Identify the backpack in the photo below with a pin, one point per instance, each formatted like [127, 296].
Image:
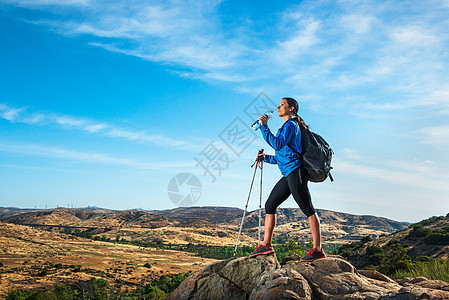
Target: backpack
[316, 155]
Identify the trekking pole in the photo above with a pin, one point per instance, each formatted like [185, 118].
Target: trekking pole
[260, 198]
[247, 201]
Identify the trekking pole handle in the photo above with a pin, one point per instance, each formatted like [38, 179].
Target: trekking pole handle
[260, 158]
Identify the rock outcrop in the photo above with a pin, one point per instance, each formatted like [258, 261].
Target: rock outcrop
[262, 277]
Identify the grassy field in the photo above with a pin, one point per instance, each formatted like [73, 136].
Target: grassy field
[437, 269]
[37, 259]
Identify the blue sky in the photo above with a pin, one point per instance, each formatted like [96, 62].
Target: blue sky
[103, 103]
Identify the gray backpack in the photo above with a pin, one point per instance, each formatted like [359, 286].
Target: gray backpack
[316, 155]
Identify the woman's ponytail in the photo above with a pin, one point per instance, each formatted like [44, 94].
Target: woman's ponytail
[302, 123]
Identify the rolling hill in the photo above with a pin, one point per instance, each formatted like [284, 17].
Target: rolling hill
[89, 218]
[421, 241]
[206, 225]
[292, 223]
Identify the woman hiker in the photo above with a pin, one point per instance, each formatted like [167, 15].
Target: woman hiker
[294, 180]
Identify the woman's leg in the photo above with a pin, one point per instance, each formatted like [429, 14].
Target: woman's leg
[314, 224]
[279, 194]
[270, 222]
[301, 194]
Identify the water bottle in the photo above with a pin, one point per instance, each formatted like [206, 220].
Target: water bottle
[256, 125]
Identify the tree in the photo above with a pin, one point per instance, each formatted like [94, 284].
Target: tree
[366, 239]
[295, 247]
[396, 259]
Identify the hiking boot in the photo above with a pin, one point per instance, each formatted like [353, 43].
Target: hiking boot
[262, 249]
[313, 254]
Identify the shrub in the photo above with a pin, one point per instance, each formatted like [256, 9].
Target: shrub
[98, 289]
[77, 268]
[376, 259]
[168, 284]
[346, 253]
[396, 259]
[95, 288]
[18, 295]
[31, 295]
[366, 239]
[393, 242]
[153, 292]
[346, 250]
[437, 238]
[418, 231]
[295, 247]
[370, 250]
[431, 220]
[423, 258]
[64, 292]
[375, 254]
[445, 229]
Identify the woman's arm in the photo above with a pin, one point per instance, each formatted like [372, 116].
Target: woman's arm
[284, 137]
[271, 159]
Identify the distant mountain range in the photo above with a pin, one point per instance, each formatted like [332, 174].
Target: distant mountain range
[220, 215]
[216, 225]
[10, 211]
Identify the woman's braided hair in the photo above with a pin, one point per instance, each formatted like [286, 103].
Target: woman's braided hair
[292, 102]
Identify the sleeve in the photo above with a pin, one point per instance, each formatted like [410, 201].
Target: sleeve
[282, 139]
[271, 159]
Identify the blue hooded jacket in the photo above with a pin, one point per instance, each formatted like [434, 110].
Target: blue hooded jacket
[285, 157]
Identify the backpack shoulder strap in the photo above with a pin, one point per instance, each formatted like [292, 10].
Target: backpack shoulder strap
[294, 150]
[297, 153]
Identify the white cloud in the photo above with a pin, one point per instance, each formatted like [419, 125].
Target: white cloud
[379, 110]
[358, 23]
[96, 127]
[423, 167]
[352, 154]
[419, 178]
[150, 20]
[439, 97]
[301, 40]
[91, 126]
[436, 100]
[69, 121]
[100, 158]
[181, 34]
[436, 135]
[357, 45]
[34, 119]
[415, 36]
[154, 139]
[9, 113]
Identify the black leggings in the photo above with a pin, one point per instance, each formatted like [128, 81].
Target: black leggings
[292, 184]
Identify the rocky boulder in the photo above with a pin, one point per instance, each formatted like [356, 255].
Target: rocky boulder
[281, 284]
[262, 277]
[233, 278]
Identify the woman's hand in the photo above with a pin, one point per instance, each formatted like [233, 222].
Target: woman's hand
[263, 119]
